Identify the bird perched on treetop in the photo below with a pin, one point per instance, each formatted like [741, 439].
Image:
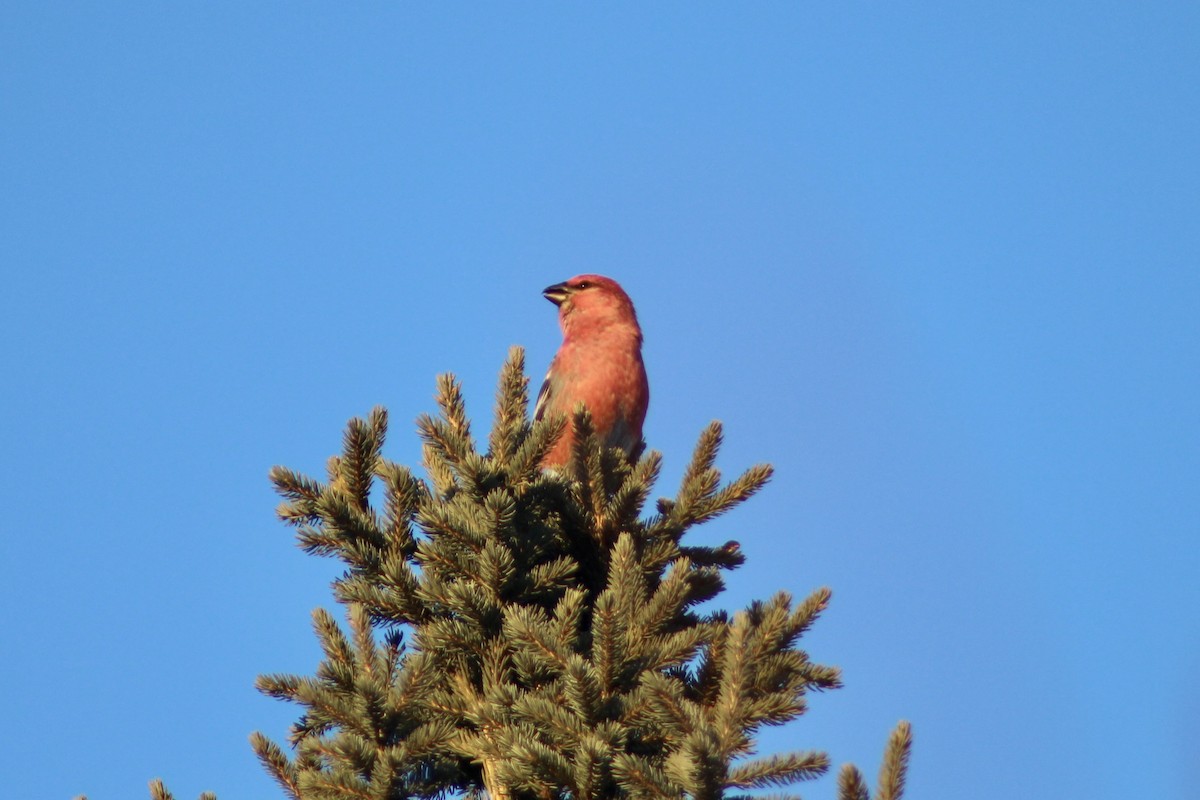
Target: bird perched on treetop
[599, 364]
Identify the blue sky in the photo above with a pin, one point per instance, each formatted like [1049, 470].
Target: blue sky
[939, 264]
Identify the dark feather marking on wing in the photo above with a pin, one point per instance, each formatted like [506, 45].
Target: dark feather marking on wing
[543, 399]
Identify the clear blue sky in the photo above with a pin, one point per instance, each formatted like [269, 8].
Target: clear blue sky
[938, 263]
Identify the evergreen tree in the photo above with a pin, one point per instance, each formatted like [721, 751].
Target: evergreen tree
[529, 634]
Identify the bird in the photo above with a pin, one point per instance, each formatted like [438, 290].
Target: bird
[599, 364]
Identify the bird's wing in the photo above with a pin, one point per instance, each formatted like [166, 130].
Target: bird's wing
[543, 398]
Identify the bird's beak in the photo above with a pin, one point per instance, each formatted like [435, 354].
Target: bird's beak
[557, 293]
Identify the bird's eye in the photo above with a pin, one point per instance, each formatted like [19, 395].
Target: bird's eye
[582, 285]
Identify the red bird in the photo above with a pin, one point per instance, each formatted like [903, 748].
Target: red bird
[599, 364]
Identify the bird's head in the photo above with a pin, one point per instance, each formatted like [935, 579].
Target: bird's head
[591, 301]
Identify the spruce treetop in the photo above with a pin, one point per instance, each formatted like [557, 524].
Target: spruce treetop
[534, 634]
